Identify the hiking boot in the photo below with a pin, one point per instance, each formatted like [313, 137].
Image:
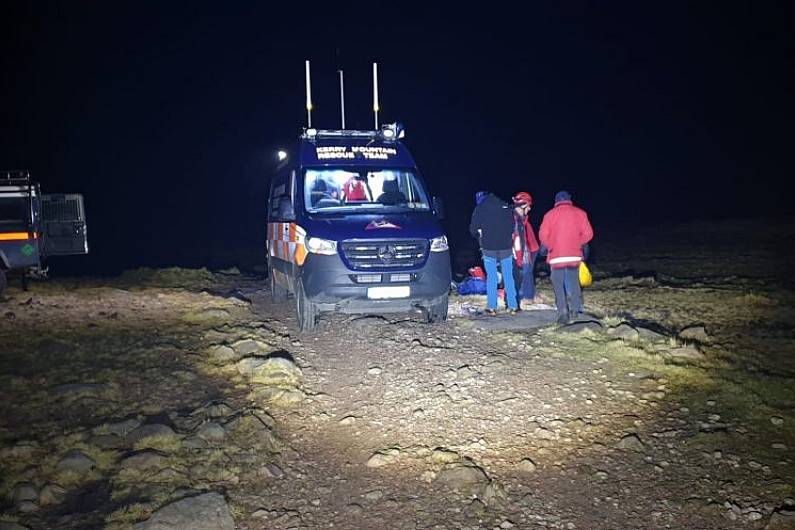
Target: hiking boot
[491, 312]
[513, 311]
[563, 319]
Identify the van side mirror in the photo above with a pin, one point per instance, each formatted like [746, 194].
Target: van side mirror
[286, 210]
[438, 207]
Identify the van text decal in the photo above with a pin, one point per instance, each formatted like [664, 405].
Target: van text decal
[337, 152]
[381, 223]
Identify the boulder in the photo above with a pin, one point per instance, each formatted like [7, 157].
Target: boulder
[208, 511]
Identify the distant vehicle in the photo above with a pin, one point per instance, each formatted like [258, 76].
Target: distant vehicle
[353, 229]
[34, 226]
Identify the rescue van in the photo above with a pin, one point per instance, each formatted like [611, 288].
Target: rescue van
[352, 228]
[34, 226]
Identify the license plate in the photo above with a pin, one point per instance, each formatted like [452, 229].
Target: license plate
[396, 291]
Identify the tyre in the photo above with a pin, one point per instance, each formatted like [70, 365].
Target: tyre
[278, 292]
[436, 312]
[305, 309]
[3, 282]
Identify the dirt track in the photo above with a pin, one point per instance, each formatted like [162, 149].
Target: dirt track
[174, 383]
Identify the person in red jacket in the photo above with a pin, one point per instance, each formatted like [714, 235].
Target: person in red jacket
[564, 231]
[525, 248]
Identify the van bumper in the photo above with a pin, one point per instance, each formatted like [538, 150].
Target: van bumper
[332, 286]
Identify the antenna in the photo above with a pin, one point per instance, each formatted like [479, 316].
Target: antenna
[308, 98]
[342, 99]
[376, 108]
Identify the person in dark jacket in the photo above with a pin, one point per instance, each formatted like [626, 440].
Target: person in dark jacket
[525, 248]
[492, 226]
[564, 232]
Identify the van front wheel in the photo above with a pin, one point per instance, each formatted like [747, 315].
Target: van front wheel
[436, 312]
[305, 309]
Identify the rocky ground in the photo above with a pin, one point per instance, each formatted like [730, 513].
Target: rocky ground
[176, 398]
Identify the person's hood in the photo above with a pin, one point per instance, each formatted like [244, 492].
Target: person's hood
[493, 200]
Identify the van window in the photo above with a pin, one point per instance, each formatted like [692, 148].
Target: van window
[356, 188]
[14, 213]
[281, 190]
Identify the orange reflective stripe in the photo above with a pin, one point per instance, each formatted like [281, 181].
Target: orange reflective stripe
[17, 236]
[292, 232]
[300, 253]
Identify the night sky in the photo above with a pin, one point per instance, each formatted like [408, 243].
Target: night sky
[165, 116]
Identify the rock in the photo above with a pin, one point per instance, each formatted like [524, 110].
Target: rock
[373, 495]
[375, 370]
[348, 420]
[694, 333]
[107, 441]
[219, 410]
[23, 449]
[462, 477]
[27, 506]
[383, 458]
[77, 461]
[279, 397]
[624, 332]
[271, 371]
[124, 427]
[545, 434]
[630, 442]
[778, 421]
[781, 519]
[687, 352]
[206, 315]
[493, 493]
[249, 347]
[273, 470]
[194, 442]
[146, 459]
[579, 327]
[208, 511]
[475, 508]
[8, 525]
[51, 494]
[354, 509]
[25, 491]
[211, 432]
[526, 465]
[221, 353]
[650, 335]
[441, 455]
[75, 390]
[147, 431]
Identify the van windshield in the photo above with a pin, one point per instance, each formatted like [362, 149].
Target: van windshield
[349, 189]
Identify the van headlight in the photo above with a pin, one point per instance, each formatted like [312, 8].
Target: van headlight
[439, 244]
[315, 245]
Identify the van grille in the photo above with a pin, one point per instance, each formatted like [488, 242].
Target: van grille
[385, 253]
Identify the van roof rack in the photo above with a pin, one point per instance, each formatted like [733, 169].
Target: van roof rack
[389, 132]
[15, 177]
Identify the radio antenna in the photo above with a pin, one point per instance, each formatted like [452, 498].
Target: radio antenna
[376, 108]
[342, 99]
[308, 98]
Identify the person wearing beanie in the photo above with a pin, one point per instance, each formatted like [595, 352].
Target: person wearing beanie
[525, 248]
[492, 225]
[564, 231]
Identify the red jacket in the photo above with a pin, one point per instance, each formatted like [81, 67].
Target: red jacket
[564, 230]
[530, 239]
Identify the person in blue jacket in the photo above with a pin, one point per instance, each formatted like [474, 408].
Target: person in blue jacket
[492, 226]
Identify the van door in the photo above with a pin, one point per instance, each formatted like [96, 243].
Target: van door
[281, 212]
[63, 225]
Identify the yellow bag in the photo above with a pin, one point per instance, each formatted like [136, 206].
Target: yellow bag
[585, 275]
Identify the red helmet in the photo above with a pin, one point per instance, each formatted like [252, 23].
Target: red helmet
[523, 198]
